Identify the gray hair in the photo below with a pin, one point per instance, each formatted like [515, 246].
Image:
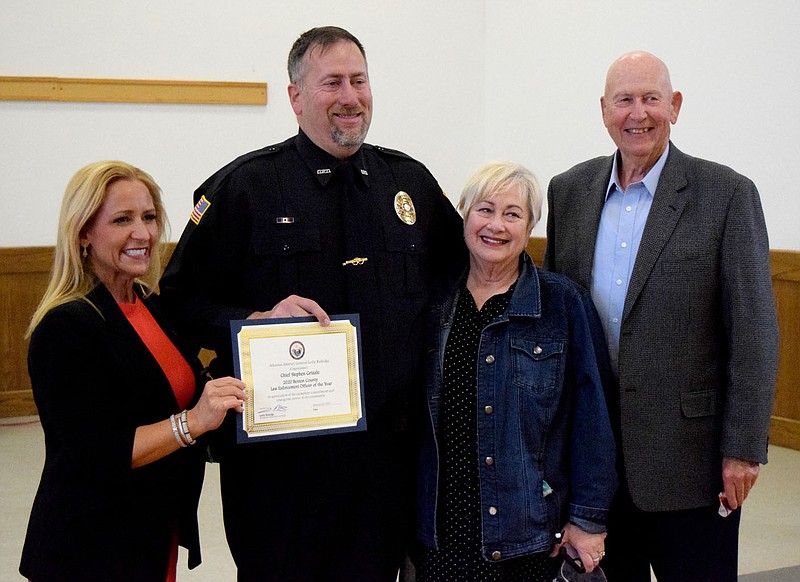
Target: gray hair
[496, 176]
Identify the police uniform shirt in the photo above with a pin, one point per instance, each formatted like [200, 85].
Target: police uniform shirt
[292, 219]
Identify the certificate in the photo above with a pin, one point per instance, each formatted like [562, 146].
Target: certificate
[301, 379]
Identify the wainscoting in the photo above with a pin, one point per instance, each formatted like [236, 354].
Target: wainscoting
[24, 272]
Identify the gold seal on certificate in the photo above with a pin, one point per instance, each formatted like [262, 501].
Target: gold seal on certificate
[302, 379]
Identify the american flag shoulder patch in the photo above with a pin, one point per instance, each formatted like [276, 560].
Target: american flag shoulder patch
[199, 210]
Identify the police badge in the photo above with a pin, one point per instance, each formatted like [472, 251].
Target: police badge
[404, 208]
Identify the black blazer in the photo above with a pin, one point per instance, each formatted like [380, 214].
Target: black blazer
[95, 518]
[699, 337]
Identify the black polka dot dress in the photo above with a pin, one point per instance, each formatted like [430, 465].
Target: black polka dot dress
[458, 517]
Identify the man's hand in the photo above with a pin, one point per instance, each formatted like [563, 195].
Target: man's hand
[738, 477]
[294, 306]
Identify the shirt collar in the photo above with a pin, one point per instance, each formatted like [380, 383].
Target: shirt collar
[323, 165]
[650, 181]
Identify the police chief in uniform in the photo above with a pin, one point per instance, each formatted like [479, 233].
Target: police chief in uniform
[320, 224]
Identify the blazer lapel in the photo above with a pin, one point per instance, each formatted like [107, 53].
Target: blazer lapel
[668, 205]
[132, 352]
[586, 235]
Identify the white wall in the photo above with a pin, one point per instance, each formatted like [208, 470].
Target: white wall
[737, 63]
[426, 67]
[456, 82]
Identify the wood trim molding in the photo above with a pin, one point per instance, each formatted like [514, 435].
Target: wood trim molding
[785, 268]
[24, 272]
[131, 91]
[784, 432]
[17, 403]
[536, 247]
[785, 265]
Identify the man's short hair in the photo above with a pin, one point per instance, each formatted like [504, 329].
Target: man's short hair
[323, 37]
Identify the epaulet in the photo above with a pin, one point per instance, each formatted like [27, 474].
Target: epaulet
[210, 186]
[391, 152]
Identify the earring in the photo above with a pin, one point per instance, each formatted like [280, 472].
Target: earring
[85, 252]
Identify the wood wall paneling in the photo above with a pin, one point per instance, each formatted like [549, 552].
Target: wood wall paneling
[785, 427]
[785, 267]
[24, 273]
[23, 279]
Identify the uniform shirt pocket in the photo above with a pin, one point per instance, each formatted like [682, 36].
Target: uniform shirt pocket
[405, 265]
[282, 262]
[286, 242]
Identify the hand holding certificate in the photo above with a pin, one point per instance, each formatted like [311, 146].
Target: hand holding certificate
[301, 378]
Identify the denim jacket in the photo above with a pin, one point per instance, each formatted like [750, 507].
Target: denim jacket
[546, 451]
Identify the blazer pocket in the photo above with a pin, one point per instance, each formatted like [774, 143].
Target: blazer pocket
[699, 404]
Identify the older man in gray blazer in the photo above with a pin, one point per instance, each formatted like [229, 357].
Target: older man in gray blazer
[675, 252]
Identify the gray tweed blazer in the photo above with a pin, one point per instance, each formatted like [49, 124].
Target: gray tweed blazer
[699, 338]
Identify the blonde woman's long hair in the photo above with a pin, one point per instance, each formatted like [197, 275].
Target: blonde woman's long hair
[71, 276]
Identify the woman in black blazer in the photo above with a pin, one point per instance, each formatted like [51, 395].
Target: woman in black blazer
[121, 401]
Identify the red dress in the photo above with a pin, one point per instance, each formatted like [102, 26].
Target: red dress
[176, 369]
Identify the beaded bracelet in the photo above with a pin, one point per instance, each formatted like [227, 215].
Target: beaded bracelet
[184, 428]
[175, 432]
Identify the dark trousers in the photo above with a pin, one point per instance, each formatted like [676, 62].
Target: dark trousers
[334, 508]
[692, 545]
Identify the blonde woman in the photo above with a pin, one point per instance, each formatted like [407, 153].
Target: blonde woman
[122, 402]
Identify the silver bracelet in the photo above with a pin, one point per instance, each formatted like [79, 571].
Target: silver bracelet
[175, 432]
[184, 426]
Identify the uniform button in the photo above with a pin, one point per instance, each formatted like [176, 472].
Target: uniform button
[490, 359]
[488, 409]
[537, 350]
[496, 555]
[492, 510]
[624, 245]
[413, 247]
[489, 461]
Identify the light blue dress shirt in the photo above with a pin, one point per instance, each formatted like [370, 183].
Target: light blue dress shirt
[621, 226]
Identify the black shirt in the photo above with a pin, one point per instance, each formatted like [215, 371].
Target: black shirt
[290, 219]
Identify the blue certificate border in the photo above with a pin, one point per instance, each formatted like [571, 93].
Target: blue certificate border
[242, 437]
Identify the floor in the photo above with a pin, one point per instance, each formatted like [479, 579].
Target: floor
[770, 531]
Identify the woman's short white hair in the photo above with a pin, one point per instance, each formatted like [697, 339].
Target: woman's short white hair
[494, 177]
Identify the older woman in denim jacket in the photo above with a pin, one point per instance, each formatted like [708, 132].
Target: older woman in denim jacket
[517, 454]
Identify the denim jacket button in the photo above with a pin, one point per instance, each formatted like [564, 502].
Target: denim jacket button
[488, 409]
[493, 510]
[490, 359]
[496, 555]
[537, 350]
[489, 461]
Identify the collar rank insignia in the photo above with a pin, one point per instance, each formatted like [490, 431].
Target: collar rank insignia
[404, 208]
